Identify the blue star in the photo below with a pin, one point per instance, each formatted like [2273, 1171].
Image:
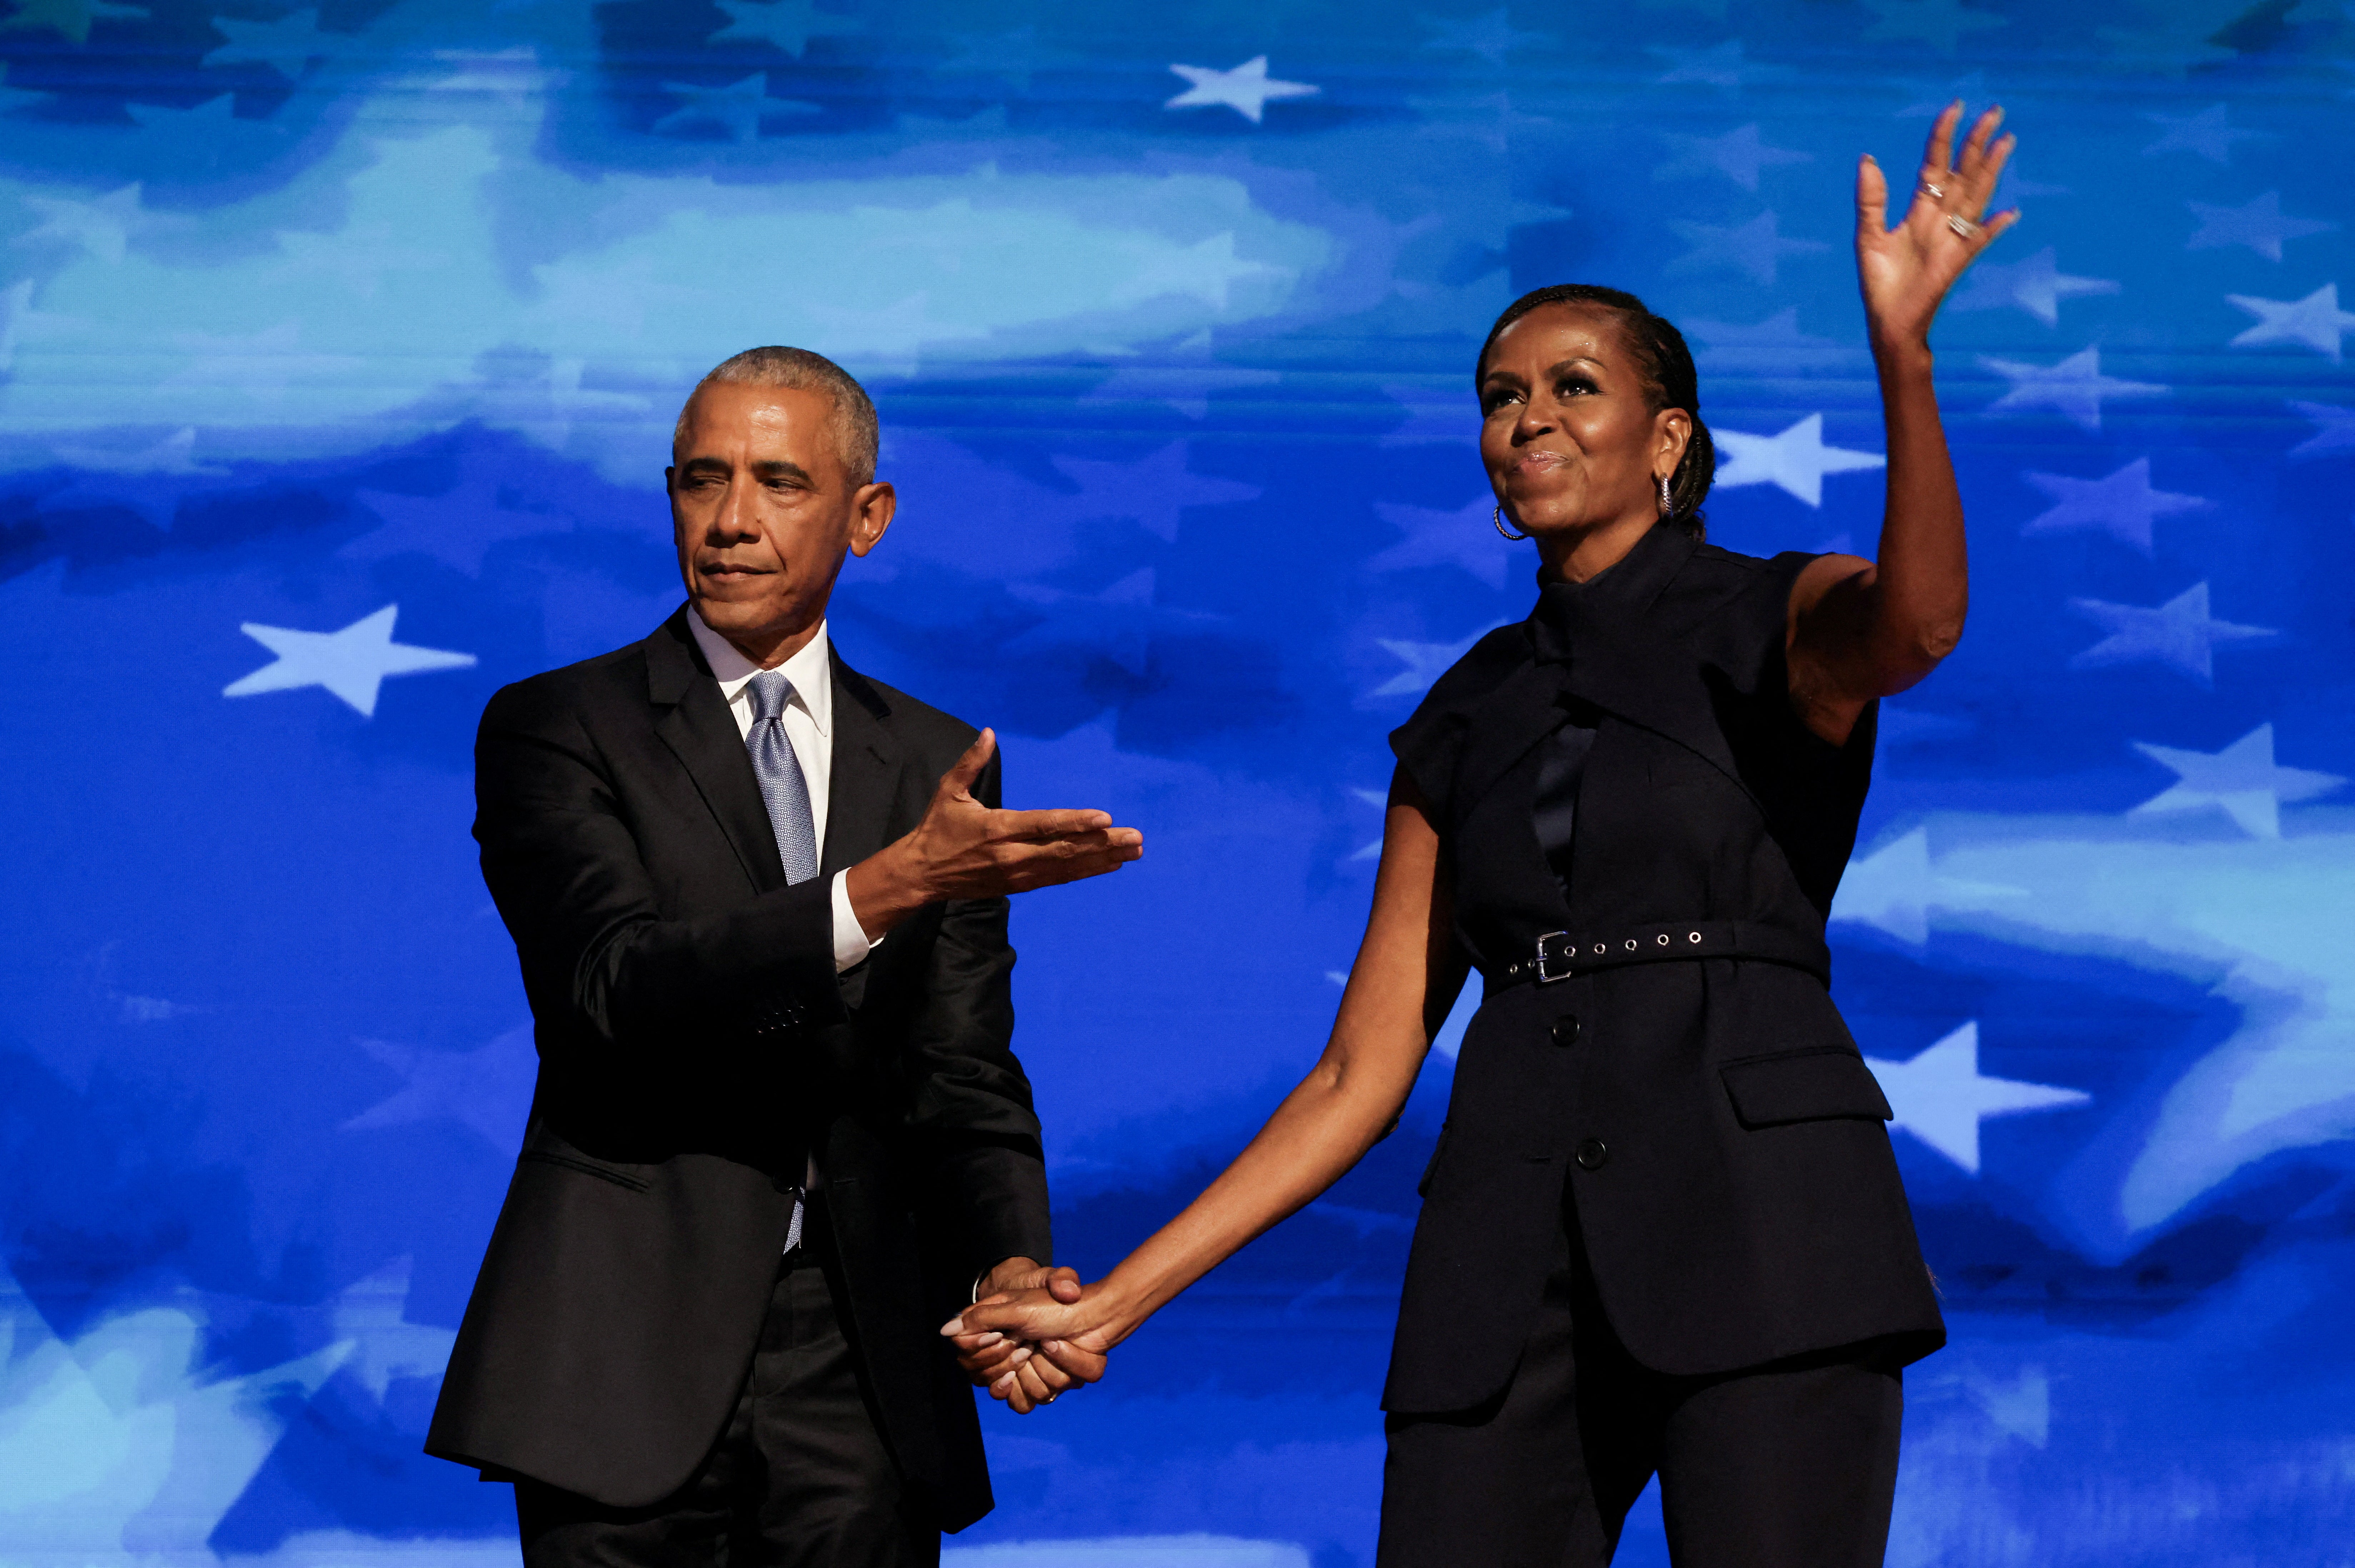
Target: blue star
[1938, 22]
[2334, 429]
[457, 526]
[1465, 538]
[1894, 888]
[1426, 662]
[486, 1090]
[1489, 118]
[2179, 633]
[1971, 89]
[1941, 1097]
[1185, 386]
[2211, 133]
[1751, 247]
[352, 663]
[1773, 345]
[2035, 286]
[371, 1316]
[1795, 460]
[1118, 623]
[71, 18]
[2075, 387]
[738, 107]
[1154, 490]
[2261, 225]
[286, 45]
[1016, 56]
[102, 226]
[2122, 506]
[2242, 781]
[1739, 155]
[1492, 37]
[1441, 412]
[789, 25]
[16, 306]
[1722, 65]
[2315, 322]
[155, 477]
[1247, 89]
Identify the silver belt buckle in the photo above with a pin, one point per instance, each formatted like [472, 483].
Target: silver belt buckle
[1555, 948]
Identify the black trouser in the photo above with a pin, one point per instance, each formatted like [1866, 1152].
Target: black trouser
[800, 1478]
[1791, 1464]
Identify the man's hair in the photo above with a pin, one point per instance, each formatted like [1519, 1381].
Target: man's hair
[855, 432]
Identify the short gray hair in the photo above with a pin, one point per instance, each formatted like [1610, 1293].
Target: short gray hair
[855, 431]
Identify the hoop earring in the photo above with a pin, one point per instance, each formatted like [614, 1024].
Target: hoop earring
[1667, 502]
[1498, 517]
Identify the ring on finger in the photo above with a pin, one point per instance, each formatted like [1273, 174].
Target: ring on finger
[1935, 192]
[1963, 226]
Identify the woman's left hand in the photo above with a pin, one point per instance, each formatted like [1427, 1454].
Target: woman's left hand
[1905, 271]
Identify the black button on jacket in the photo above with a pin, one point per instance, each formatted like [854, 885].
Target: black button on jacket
[1719, 1133]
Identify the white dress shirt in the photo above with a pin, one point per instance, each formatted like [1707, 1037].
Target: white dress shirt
[809, 725]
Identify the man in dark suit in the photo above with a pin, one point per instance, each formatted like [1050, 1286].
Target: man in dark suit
[760, 903]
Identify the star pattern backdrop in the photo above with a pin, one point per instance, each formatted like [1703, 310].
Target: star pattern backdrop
[338, 349]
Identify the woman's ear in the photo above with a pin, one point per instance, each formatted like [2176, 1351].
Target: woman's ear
[1673, 427]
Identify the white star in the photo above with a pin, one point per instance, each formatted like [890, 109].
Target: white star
[101, 226]
[2178, 633]
[1154, 490]
[2211, 133]
[2122, 506]
[1465, 537]
[2242, 781]
[1775, 343]
[285, 45]
[1938, 22]
[737, 108]
[1118, 623]
[352, 663]
[371, 1316]
[1941, 1097]
[2033, 284]
[2316, 321]
[2075, 387]
[2334, 429]
[790, 25]
[1751, 247]
[2261, 225]
[486, 1090]
[1722, 65]
[1426, 662]
[1247, 90]
[70, 17]
[1203, 270]
[1894, 888]
[1492, 37]
[1739, 155]
[1796, 459]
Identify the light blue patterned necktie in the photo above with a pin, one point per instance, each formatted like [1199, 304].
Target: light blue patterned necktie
[782, 789]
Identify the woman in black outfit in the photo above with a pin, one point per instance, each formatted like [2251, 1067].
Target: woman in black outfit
[1663, 1230]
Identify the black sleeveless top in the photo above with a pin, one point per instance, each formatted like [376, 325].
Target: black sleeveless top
[1623, 776]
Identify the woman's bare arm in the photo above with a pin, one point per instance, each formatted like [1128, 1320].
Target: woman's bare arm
[1860, 630]
[1405, 979]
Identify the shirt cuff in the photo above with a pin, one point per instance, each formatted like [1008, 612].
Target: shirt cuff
[850, 943]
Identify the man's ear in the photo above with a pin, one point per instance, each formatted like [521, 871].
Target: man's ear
[872, 509]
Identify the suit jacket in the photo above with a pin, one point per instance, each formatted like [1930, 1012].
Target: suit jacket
[1679, 1063]
[695, 1045]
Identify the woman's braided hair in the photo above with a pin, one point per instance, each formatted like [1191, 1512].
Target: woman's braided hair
[1668, 376]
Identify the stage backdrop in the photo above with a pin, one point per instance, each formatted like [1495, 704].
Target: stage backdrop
[339, 345]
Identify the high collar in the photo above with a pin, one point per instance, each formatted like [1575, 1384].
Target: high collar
[1624, 590]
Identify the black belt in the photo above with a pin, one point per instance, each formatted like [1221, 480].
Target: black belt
[1560, 955]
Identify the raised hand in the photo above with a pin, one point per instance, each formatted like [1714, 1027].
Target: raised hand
[964, 850]
[1905, 271]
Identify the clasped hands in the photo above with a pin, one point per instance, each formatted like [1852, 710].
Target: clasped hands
[1027, 1338]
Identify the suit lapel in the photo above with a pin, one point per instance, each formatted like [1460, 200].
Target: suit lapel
[693, 721]
[863, 787]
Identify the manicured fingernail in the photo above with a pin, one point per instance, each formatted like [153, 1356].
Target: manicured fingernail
[987, 1340]
[1002, 1384]
[954, 1325]
[1022, 1354]
[1051, 1346]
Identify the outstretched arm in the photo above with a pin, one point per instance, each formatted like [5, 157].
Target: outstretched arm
[1401, 988]
[1860, 630]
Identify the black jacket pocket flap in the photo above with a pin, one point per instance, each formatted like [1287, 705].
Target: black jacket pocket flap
[1803, 1086]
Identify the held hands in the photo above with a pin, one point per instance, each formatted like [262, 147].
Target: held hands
[1905, 271]
[1034, 1336]
[964, 850]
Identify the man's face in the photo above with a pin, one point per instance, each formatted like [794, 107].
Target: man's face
[761, 510]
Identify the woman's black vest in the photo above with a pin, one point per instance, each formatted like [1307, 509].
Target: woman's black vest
[1655, 1030]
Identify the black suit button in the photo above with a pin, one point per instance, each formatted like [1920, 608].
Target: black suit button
[1565, 1030]
[1593, 1155]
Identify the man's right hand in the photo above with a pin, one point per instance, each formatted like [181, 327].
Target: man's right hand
[964, 850]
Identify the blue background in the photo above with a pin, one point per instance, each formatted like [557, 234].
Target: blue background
[313, 320]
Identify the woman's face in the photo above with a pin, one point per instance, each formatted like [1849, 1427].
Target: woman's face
[1571, 443]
